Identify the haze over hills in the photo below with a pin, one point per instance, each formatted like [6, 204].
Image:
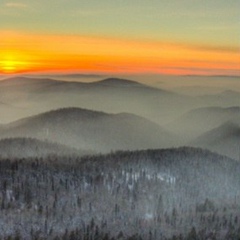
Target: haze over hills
[224, 139]
[196, 85]
[119, 82]
[43, 82]
[230, 93]
[17, 148]
[186, 117]
[198, 90]
[110, 95]
[21, 81]
[91, 130]
[67, 76]
[157, 194]
[198, 121]
[16, 94]
[119, 120]
[10, 111]
[226, 98]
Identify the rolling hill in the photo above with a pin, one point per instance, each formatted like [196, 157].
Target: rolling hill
[111, 95]
[198, 121]
[225, 98]
[224, 139]
[86, 129]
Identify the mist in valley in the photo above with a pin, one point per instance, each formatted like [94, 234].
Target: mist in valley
[119, 157]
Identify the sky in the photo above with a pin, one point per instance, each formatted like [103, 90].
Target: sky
[176, 37]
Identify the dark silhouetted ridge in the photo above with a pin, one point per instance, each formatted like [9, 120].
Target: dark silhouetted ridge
[119, 82]
[26, 80]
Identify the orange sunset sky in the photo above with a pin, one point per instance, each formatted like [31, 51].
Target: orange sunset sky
[153, 37]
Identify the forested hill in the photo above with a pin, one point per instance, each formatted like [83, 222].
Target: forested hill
[149, 194]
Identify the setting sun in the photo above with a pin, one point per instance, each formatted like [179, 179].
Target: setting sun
[12, 64]
[8, 66]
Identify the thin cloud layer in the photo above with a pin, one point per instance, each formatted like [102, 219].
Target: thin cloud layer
[17, 5]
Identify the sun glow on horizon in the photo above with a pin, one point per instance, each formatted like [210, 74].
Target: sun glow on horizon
[13, 63]
[26, 53]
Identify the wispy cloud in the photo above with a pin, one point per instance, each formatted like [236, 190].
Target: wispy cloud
[85, 13]
[199, 71]
[17, 5]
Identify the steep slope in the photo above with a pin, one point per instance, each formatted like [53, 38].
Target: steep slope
[198, 121]
[87, 129]
[15, 148]
[224, 139]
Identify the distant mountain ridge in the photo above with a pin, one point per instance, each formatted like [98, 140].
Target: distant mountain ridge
[225, 139]
[118, 81]
[111, 95]
[226, 129]
[47, 84]
[107, 81]
[230, 93]
[20, 80]
[225, 98]
[198, 121]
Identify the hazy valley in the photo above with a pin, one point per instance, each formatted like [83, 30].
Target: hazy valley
[117, 159]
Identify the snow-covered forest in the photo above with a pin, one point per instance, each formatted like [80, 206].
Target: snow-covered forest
[183, 193]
